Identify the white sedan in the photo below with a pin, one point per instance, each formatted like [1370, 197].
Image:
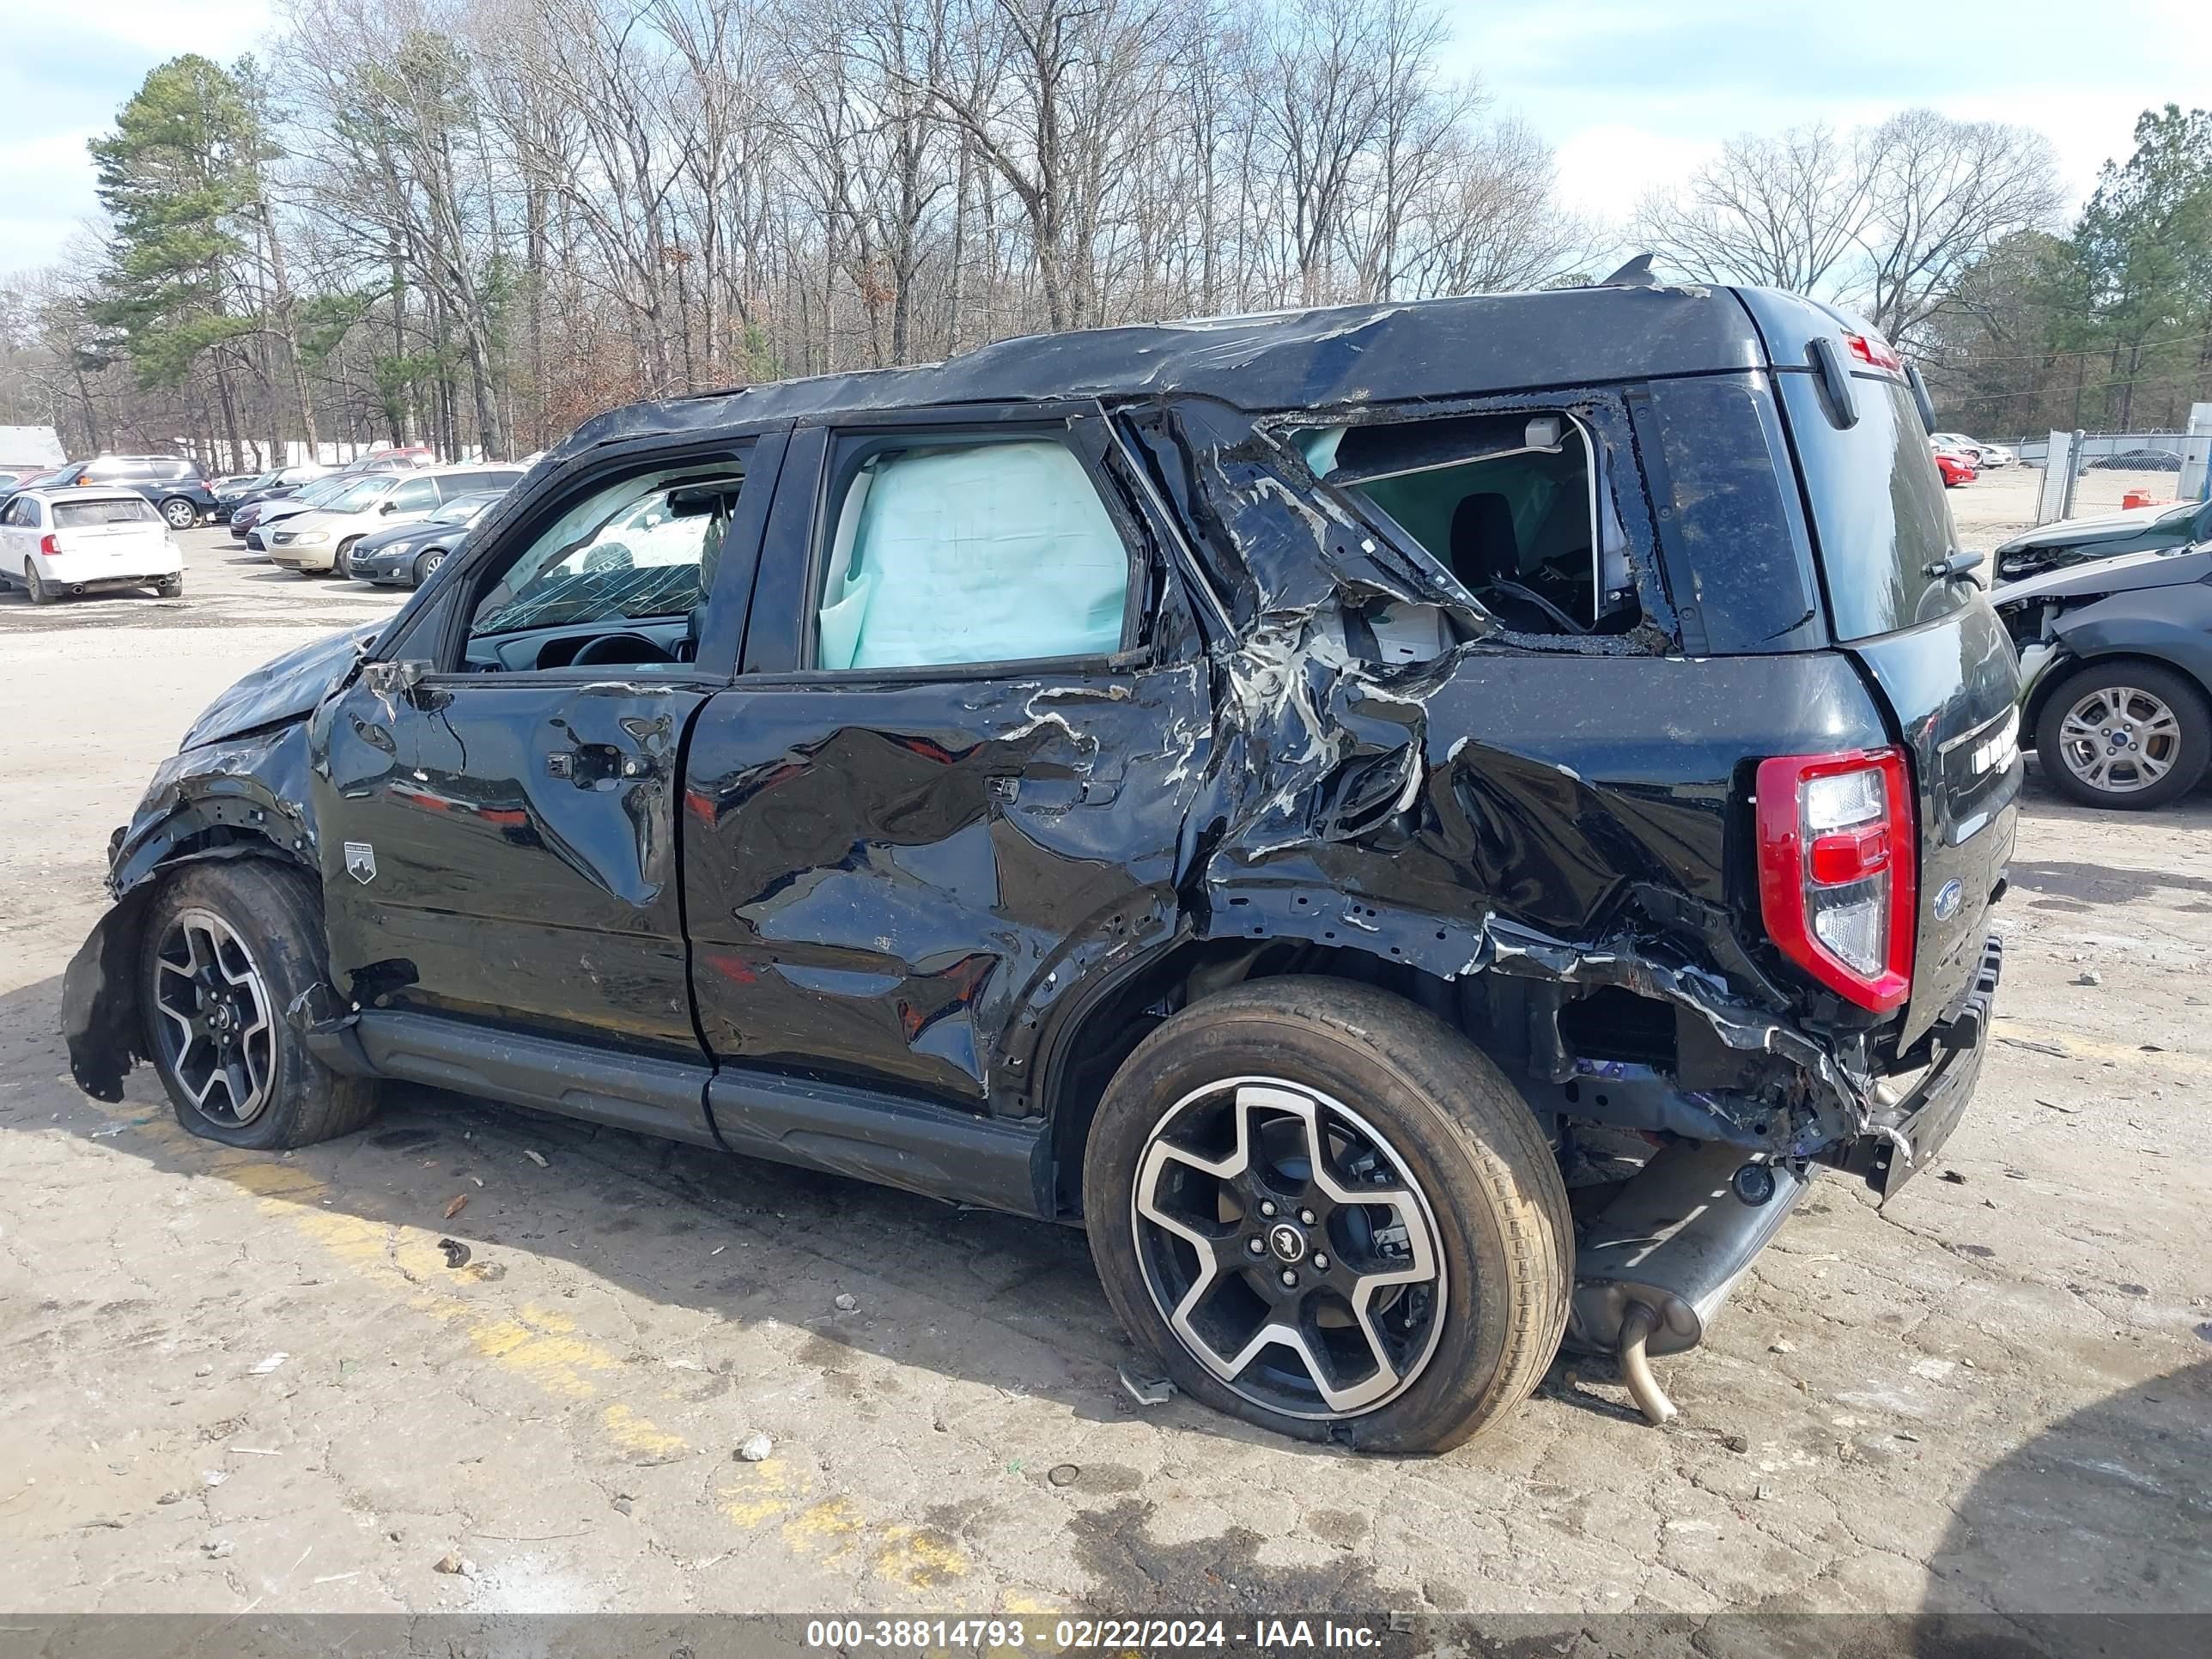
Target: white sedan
[58, 542]
[1984, 455]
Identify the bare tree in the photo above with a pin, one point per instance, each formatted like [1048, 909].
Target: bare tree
[1941, 194]
[1786, 211]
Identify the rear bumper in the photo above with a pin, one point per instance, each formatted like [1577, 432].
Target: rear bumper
[1906, 1136]
[90, 571]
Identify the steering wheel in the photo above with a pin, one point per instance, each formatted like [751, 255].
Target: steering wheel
[621, 648]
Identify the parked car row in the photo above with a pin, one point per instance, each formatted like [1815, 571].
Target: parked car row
[378, 514]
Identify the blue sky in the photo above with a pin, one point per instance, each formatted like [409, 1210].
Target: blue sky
[1630, 95]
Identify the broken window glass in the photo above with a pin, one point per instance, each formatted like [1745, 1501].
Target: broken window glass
[1512, 505]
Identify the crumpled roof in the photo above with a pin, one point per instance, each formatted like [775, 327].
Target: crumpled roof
[1331, 357]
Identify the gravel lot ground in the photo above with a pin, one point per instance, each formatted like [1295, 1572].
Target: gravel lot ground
[243, 1381]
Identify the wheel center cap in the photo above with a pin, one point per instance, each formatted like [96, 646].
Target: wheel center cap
[1288, 1244]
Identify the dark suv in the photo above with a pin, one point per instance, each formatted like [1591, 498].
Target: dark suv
[1420, 826]
[176, 486]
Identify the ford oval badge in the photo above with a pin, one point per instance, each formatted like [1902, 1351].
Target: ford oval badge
[1947, 900]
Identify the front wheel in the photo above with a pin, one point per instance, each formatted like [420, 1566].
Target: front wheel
[427, 563]
[2131, 735]
[180, 513]
[229, 946]
[1327, 1214]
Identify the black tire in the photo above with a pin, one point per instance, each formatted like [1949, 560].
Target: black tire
[427, 562]
[1462, 1142]
[170, 587]
[180, 513]
[2187, 752]
[41, 593]
[274, 914]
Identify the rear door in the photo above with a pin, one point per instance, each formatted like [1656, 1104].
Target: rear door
[969, 729]
[1882, 532]
[19, 534]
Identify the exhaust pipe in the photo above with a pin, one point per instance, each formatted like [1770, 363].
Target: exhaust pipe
[1658, 1264]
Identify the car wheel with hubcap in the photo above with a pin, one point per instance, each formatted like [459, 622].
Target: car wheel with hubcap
[1329, 1214]
[229, 946]
[2132, 735]
[180, 513]
[427, 563]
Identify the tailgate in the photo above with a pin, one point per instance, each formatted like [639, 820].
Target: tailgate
[1953, 686]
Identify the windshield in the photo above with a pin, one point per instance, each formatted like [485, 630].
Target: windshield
[1880, 520]
[461, 508]
[642, 548]
[355, 495]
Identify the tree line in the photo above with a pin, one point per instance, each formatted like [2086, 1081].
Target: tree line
[474, 222]
[1946, 236]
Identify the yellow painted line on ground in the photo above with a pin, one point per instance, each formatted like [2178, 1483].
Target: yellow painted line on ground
[540, 1346]
[829, 1528]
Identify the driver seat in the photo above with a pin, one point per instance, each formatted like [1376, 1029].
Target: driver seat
[1484, 548]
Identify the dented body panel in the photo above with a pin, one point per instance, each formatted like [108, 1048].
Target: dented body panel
[955, 893]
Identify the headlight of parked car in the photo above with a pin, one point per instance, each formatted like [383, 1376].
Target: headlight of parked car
[310, 537]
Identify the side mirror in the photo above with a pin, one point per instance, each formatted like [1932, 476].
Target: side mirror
[387, 505]
[394, 679]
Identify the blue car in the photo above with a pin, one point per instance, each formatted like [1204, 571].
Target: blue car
[405, 556]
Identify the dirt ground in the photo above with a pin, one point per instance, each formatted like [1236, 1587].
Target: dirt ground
[239, 1382]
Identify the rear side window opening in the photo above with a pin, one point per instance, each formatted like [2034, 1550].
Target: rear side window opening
[1513, 505]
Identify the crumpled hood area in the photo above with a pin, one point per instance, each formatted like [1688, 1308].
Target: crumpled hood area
[2072, 532]
[2123, 573]
[282, 689]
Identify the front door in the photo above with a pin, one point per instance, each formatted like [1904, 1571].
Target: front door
[970, 722]
[498, 835]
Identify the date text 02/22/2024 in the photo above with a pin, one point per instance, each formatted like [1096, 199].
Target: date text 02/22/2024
[1079, 1635]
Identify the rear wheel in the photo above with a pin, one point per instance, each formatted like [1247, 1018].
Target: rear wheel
[229, 946]
[427, 563]
[180, 513]
[41, 593]
[2131, 735]
[1329, 1214]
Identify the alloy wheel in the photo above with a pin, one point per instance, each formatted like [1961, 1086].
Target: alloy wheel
[2119, 739]
[218, 1036]
[1288, 1247]
[180, 514]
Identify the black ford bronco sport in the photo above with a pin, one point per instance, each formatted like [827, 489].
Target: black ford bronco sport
[1420, 826]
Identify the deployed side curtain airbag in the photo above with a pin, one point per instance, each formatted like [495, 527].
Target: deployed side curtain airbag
[995, 552]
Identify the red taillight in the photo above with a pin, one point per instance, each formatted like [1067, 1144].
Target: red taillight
[48, 545]
[1836, 870]
[1873, 350]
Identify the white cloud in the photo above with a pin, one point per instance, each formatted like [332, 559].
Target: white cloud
[1604, 170]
